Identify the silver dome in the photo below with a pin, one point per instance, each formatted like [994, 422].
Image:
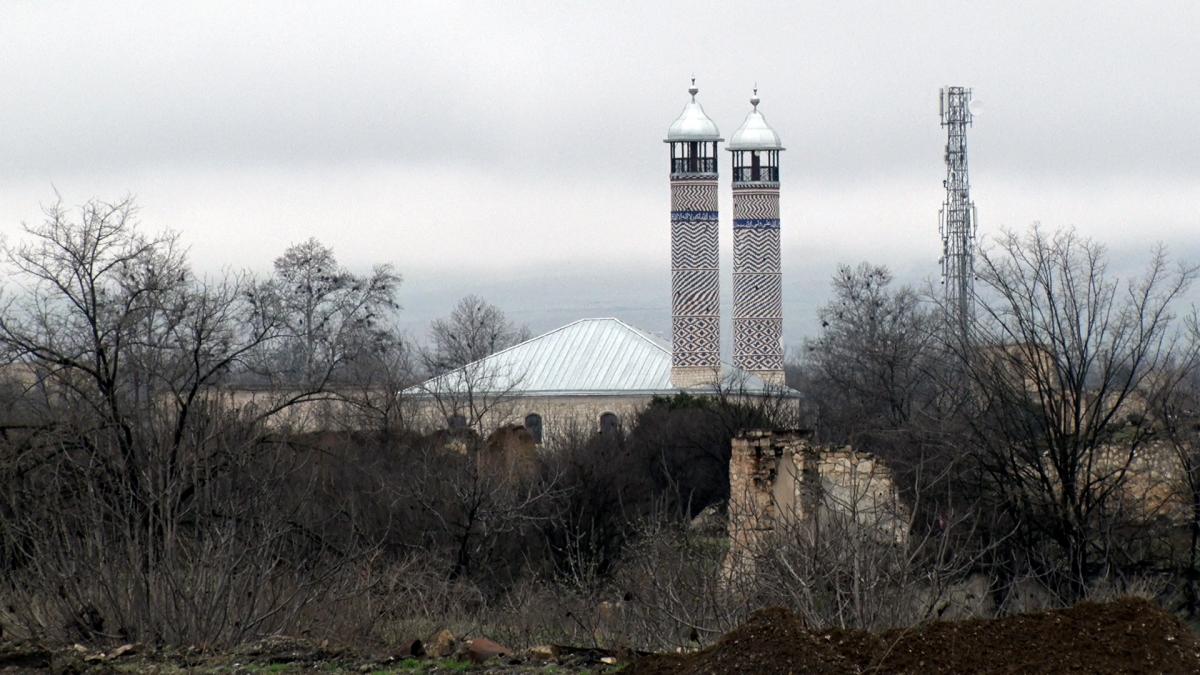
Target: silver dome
[693, 124]
[755, 133]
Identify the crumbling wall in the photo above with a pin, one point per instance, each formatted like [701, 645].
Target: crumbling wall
[850, 487]
[755, 461]
[779, 478]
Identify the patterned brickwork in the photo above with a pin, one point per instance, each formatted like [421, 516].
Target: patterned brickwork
[751, 334]
[697, 293]
[695, 275]
[757, 284]
[694, 196]
[756, 295]
[696, 341]
[756, 204]
[693, 245]
[756, 250]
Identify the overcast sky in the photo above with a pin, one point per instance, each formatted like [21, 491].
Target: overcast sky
[514, 149]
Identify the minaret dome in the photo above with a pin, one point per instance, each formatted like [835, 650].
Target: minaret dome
[755, 133]
[755, 147]
[693, 124]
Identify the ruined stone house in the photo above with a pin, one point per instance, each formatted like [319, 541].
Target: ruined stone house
[780, 479]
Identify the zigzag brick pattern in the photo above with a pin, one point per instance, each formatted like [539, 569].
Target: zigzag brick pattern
[693, 245]
[694, 196]
[695, 280]
[756, 296]
[697, 293]
[757, 284]
[756, 250]
[756, 204]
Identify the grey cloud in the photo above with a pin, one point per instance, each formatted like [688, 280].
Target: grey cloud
[504, 137]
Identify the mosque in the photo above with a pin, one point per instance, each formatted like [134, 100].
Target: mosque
[598, 373]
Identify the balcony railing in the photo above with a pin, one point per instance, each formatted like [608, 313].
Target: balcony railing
[694, 165]
[761, 174]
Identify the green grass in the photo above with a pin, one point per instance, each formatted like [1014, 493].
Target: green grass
[267, 668]
[421, 666]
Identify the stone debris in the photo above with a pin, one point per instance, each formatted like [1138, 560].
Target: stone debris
[483, 649]
[123, 650]
[442, 644]
[543, 653]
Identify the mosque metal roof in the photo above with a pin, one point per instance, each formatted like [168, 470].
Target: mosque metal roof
[755, 133]
[693, 124]
[588, 357]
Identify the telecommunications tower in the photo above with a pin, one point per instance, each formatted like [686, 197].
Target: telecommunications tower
[957, 220]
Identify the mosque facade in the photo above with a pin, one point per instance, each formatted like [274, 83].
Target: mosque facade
[597, 373]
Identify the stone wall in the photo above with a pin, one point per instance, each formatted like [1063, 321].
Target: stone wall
[780, 479]
[561, 415]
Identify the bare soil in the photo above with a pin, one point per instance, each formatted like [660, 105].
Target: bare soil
[280, 654]
[1126, 636]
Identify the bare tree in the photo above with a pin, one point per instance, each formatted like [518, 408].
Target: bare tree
[378, 380]
[330, 315]
[474, 329]
[466, 389]
[869, 368]
[125, 335]
[1175, 413]
[131, 462]
[1059, 361]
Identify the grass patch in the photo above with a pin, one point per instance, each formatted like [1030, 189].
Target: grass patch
[422, 665]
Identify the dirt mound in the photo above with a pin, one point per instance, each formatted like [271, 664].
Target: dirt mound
[770, 641]
[1125, 636]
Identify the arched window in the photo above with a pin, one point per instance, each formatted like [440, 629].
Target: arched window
[457, 423]
[533, 424]
[610, 424]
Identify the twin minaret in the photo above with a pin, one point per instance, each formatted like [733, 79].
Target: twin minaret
[695, 282]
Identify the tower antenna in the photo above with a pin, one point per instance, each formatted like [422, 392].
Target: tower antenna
[957, 218]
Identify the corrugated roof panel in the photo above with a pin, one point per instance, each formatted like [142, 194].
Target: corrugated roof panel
[603, 356]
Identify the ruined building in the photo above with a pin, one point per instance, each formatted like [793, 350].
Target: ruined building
[782, 484]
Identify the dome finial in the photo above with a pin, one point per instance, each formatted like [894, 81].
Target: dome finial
[755, 133]
[692, 124]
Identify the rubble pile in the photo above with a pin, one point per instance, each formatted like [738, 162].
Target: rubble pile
[1129, 635]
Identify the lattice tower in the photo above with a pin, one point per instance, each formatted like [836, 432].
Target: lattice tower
[957, 217]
